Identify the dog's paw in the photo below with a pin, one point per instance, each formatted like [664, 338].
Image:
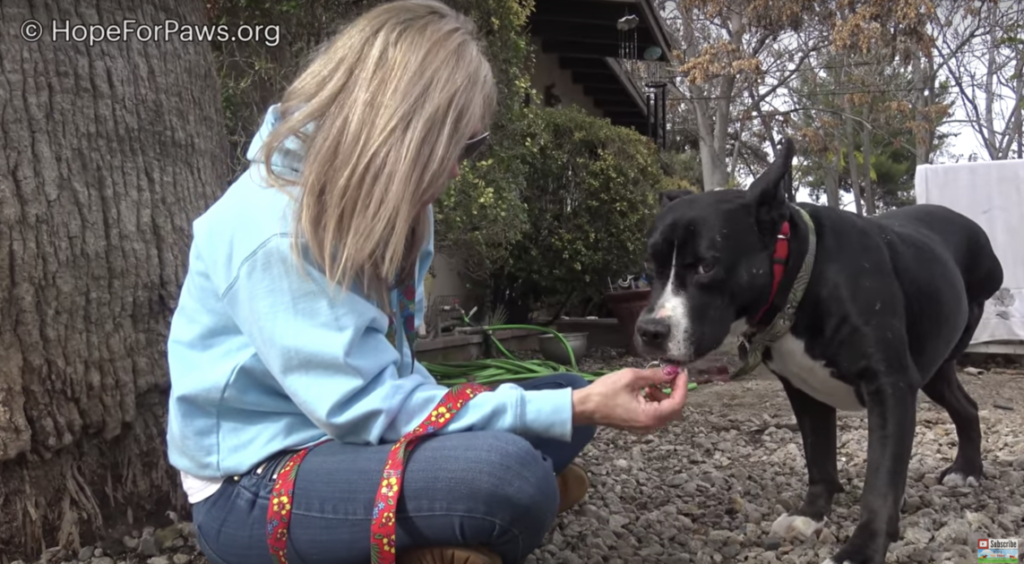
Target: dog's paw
[795, 526]
[957, 479]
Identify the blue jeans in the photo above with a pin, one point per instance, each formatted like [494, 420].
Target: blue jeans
[478, 488]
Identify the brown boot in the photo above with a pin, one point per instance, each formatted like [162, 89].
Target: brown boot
[573, 484]
[447, 555]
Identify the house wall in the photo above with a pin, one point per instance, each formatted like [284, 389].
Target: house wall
[446, 280]
[547, 72]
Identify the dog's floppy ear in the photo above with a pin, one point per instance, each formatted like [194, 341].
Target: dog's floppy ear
[769, 189]
[666, 197]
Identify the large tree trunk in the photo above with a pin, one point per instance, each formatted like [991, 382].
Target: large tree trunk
[851, 155]
[108, 151]
[832, 177]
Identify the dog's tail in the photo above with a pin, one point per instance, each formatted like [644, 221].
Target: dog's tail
[984, 277]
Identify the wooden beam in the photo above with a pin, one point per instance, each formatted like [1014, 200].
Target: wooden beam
[587, 78]
[584, 64]
[616, 92]
[585, 48]
[591, 33]
[604, 12]
[585, 11]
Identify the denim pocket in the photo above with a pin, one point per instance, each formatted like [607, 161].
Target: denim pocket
[260, 480]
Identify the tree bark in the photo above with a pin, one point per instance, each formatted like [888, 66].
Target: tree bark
[924, 133]
[832, 177]
[108, 151]
[866, 150]
[851, 152]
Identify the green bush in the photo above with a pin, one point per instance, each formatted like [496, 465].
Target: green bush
[591, 192]
[481, 215]
[683, 170]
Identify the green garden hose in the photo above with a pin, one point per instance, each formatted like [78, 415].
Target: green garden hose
[500, 370]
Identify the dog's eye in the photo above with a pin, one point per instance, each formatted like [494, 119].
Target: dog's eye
[705, 267]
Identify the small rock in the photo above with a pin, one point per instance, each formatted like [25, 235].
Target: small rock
[917, 536]
[772, 544]
[149, 546]
[167, 535]
[652, 552]
[51, 554]
[617, 521]
[737, 503]
[826, 537]
[131, 543]
[677, 480]
[159, 560]
[102, 560]
[85, 554]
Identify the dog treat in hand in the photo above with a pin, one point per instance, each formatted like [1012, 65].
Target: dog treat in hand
[670, 370]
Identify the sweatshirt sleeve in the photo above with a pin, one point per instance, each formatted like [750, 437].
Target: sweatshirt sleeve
[328, 351]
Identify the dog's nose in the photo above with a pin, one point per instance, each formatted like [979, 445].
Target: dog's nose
[653, 331]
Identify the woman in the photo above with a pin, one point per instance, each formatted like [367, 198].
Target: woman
[294, 329]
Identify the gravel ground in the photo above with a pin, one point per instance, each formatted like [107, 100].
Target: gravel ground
[707, 489]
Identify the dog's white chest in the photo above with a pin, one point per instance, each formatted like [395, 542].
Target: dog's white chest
[790, 359]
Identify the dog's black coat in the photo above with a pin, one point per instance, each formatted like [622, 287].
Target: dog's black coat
[893, 300]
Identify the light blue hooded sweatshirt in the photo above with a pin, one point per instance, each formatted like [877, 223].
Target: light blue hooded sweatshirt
[265, 356]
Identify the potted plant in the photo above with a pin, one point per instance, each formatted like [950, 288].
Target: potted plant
[627, 299]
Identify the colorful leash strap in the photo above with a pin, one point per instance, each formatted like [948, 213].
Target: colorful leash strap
[382, 527]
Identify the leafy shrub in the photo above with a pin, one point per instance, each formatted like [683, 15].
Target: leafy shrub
[591, 192]
[481, 215]
[683, 171]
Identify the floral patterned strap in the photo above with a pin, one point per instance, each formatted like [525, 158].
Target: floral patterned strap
[279, 511]
[382, 528]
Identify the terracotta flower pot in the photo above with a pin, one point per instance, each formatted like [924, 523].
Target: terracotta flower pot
[627, 306]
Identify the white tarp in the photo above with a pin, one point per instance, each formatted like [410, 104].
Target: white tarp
[992, 194]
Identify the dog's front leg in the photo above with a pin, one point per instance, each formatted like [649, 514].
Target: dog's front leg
[891, 405]
[817, 423]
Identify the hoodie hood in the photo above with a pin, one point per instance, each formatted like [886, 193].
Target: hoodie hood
[289, 155]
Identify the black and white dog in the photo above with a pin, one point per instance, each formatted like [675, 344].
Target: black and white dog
[891, 303]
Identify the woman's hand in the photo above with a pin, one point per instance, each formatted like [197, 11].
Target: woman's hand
[618, 399]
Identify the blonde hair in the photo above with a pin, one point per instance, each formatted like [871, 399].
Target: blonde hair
[392, 99]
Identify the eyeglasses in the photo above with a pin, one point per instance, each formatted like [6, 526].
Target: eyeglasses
[473, 146]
